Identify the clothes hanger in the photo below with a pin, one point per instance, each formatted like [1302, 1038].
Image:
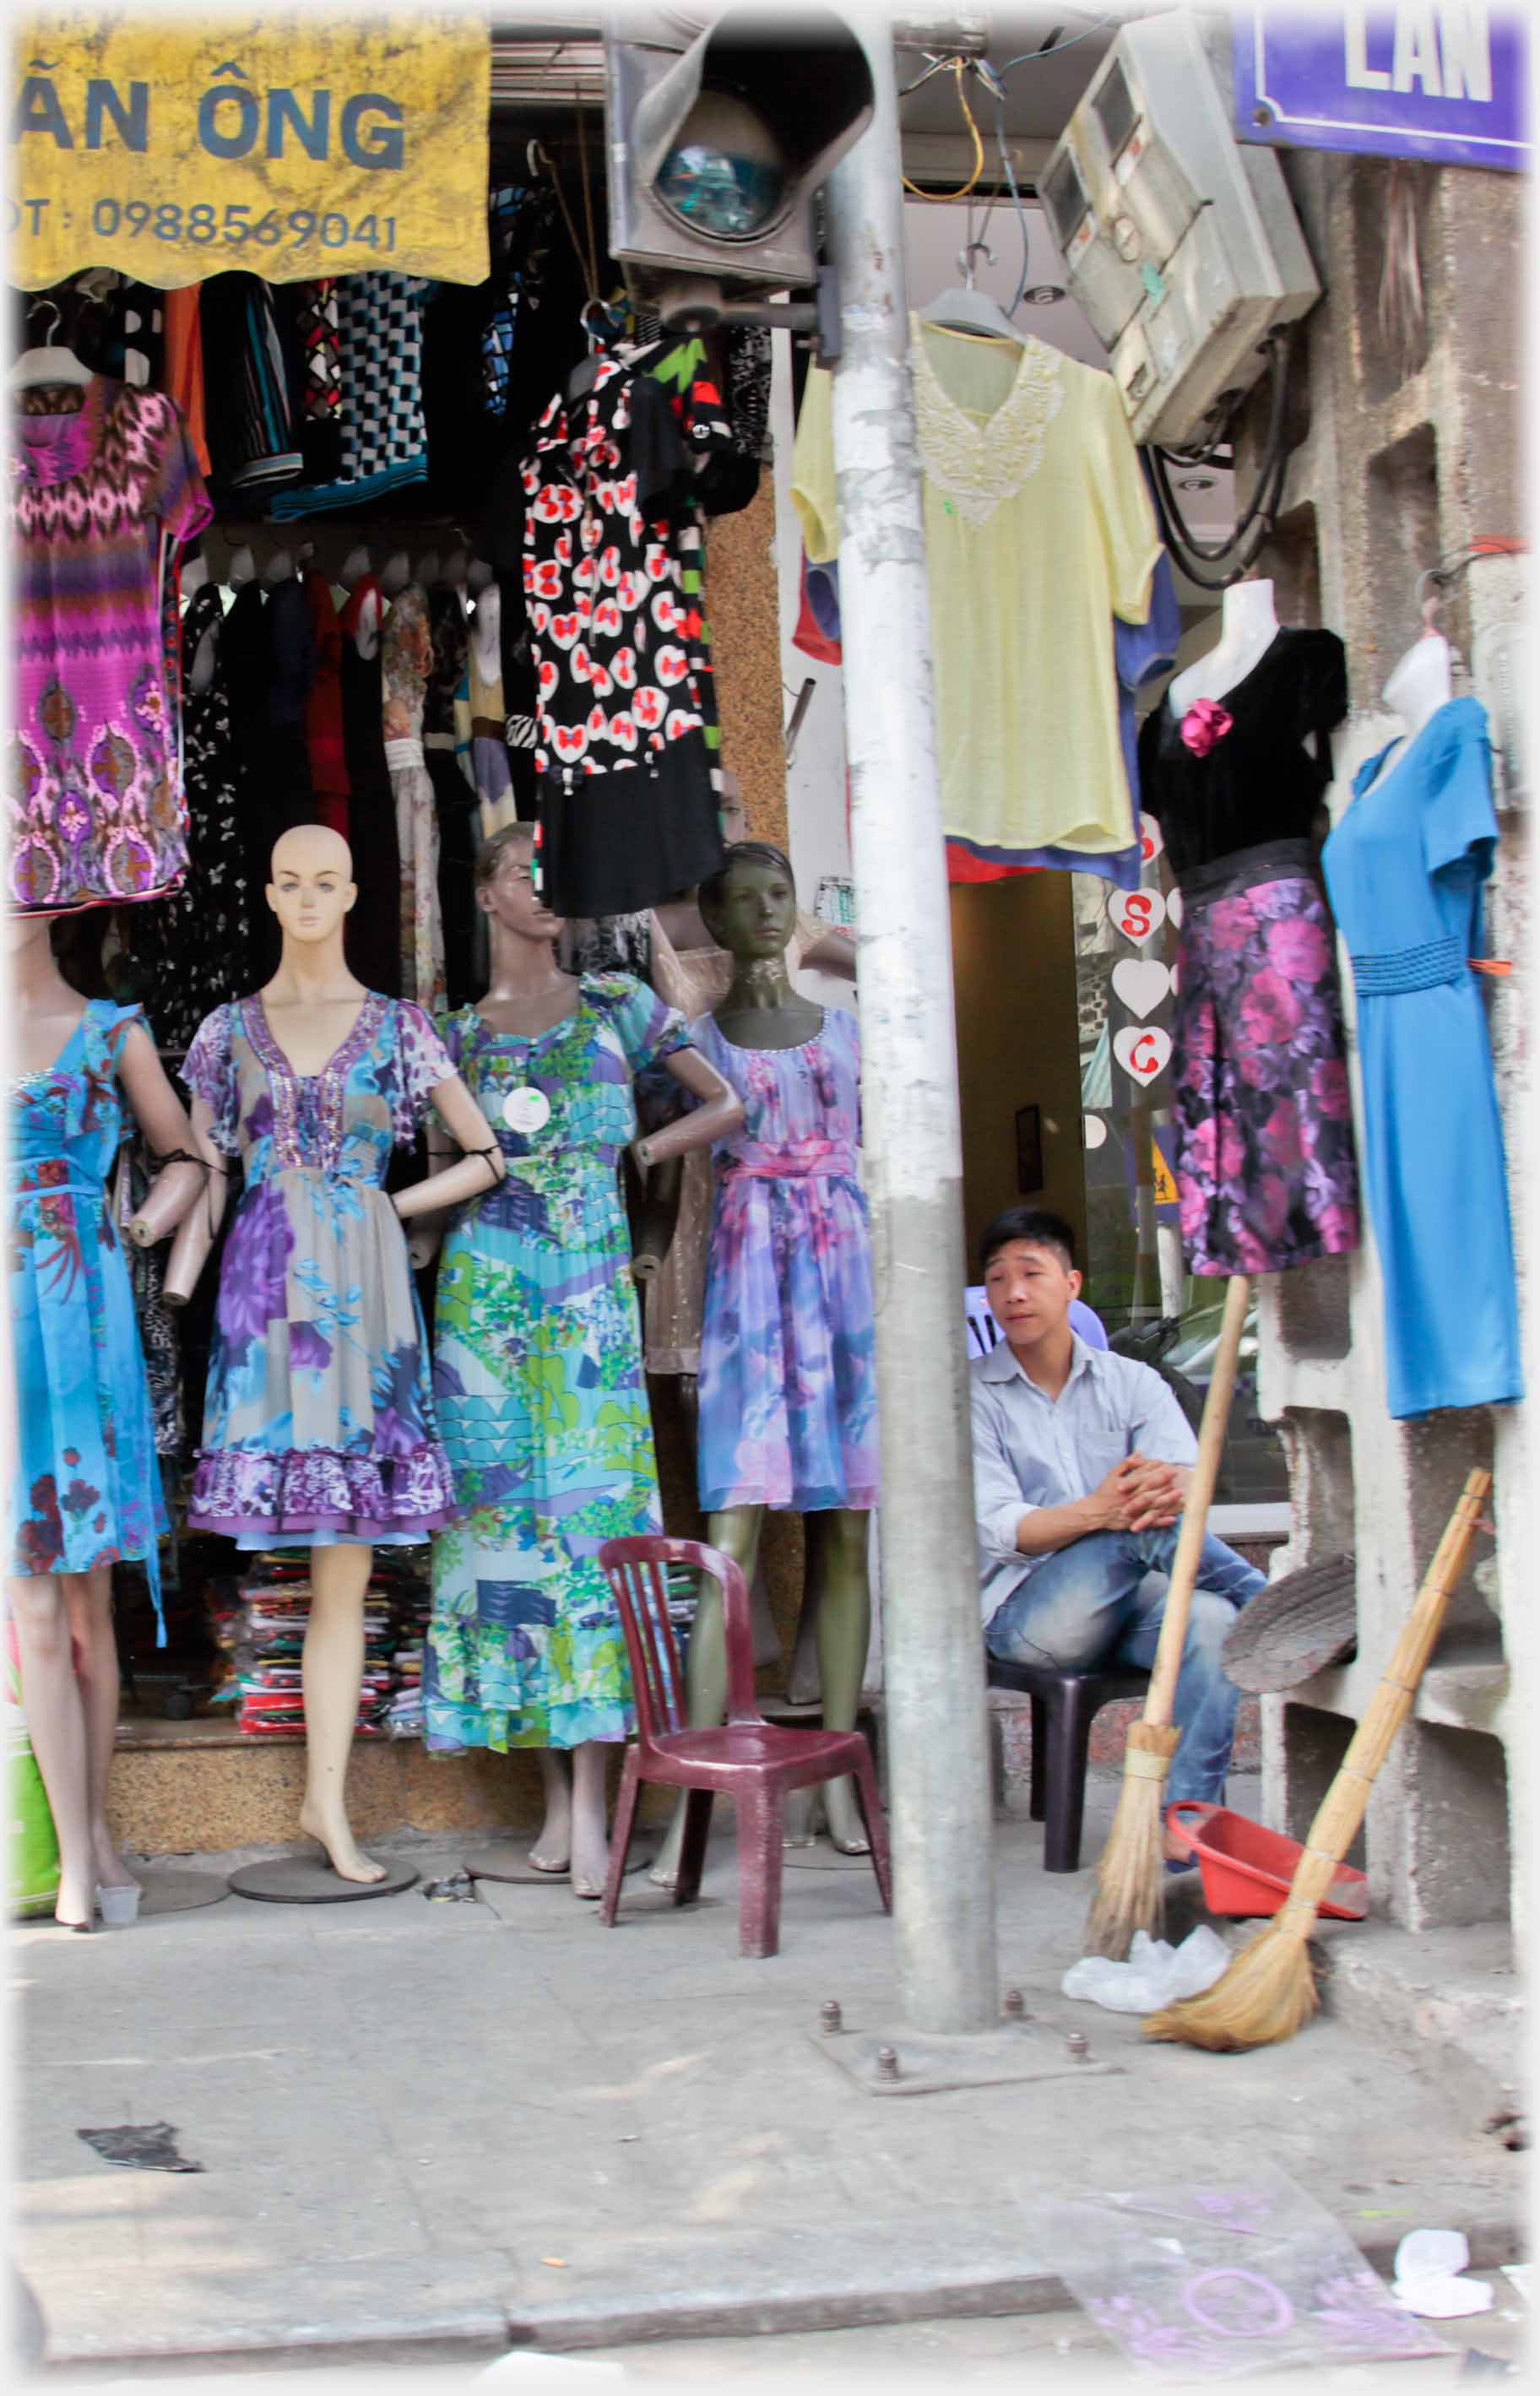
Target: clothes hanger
[585, 374]
[962, 309]
[54, 363]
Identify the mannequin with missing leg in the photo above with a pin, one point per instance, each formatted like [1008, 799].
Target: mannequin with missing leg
[319, 1429]
[85, 1481]
[538, 1366]
[788, 1408]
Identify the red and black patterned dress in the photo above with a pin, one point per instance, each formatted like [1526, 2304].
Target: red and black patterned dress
[626, 715]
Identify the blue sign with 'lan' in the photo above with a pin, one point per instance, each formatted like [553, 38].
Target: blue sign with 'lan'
[1441, 80]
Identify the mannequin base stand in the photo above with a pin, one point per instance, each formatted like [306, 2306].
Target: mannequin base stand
[309, 1880]
[166, 1891]
[508, 1861]
[902, 2062]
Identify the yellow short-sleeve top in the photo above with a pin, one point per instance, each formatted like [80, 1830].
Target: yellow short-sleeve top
[1039, 529]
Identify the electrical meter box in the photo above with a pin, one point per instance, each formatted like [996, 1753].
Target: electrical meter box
[1180, 243]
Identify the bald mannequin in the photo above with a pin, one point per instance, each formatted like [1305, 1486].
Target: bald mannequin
[311, 1004]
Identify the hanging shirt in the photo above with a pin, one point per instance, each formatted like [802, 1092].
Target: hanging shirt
[624, 708]
[101, 501]
[1038, 530]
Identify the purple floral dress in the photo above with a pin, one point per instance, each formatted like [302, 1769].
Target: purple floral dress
[1266, 1168]
[318, 1425]
[788, 1363]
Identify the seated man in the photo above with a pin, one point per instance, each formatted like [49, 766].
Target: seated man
[1081, 1465]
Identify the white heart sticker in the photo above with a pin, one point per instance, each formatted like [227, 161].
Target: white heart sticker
[1176, 909]
[1141, 983]
[1151, 840]
[1142, 1054]
[526, 1111]
[1139, 914]
[1095, 1131]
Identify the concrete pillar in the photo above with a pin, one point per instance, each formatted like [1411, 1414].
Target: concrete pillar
[937, 1722]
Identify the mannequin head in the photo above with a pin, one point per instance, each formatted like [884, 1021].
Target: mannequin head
[312, 887]
[505, 890]
[749, 907]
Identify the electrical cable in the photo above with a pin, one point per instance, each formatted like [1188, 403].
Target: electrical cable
[940, 199]
[1193, 554]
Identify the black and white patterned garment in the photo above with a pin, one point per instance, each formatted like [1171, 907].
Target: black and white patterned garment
[384, 431]
[747, 388]
[157, 1324]
[192, 950]
[608, 944]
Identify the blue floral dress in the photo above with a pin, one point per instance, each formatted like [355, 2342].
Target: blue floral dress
[788, 1362]
[85, 1484]
[318, 1423]
[538, 1381]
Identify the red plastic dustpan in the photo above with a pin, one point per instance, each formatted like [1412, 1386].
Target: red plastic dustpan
[1248, 1871]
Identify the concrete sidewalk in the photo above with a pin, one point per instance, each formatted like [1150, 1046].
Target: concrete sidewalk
[459, 2126]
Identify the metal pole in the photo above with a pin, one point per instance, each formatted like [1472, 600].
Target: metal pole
[938, 1725]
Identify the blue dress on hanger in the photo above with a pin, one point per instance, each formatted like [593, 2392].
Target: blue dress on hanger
[1404, 869]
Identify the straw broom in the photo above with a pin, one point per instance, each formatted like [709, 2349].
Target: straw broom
[1269, 1992]
[1130, 1875]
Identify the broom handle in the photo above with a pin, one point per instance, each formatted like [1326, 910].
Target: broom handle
[1162, 1692]
[1343, 1807]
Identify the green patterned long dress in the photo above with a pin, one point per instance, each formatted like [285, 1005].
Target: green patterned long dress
[539, 1387]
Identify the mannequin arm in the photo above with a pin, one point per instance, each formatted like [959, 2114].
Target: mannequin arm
[481, 1163]
[719, 1114]
[163, 1119]
[833, 952]
[428, 1230]
[199, 1231]
[659, 1215]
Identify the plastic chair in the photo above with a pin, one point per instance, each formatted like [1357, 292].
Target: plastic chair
[1064, 1707]
[748, 1759]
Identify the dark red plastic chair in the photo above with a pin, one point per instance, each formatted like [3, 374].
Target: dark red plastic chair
[753, 1762]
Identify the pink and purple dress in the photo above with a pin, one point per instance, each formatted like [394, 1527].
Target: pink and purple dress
[1266, 1168]
[102, 503]
[318, 1423]
[788, 1364]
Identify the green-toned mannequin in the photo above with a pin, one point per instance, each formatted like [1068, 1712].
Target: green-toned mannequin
[754, 921]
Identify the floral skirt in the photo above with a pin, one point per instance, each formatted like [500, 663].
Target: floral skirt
[1266, 1167]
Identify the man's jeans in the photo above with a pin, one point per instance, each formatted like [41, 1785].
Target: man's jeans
[1094, 1603]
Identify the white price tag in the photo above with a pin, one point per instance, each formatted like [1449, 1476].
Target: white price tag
[526, 1111]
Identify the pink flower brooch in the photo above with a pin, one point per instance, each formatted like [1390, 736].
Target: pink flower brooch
[1204, 724]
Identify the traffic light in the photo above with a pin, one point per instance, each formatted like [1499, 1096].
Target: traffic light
[716, 149]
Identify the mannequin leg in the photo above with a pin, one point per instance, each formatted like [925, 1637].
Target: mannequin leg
[767, 1647]
[553, 1850]
[56, 1726]
[803, 1682]
[843, 1633]
[88, 1599]
[736, 1533]
[333, 1674]
[589, 1843]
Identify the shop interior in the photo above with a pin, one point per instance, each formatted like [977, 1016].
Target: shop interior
[1049, 1116]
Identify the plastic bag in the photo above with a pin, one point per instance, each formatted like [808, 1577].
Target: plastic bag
[1155, 1974]
[1429, 2264]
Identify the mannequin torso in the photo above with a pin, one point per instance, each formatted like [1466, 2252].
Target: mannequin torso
[551, 1059]
[1248, 627]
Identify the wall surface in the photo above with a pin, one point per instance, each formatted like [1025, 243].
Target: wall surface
[1409, 451]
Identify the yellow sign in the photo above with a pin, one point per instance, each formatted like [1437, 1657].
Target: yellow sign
[294, 145]
[1162, 1177]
